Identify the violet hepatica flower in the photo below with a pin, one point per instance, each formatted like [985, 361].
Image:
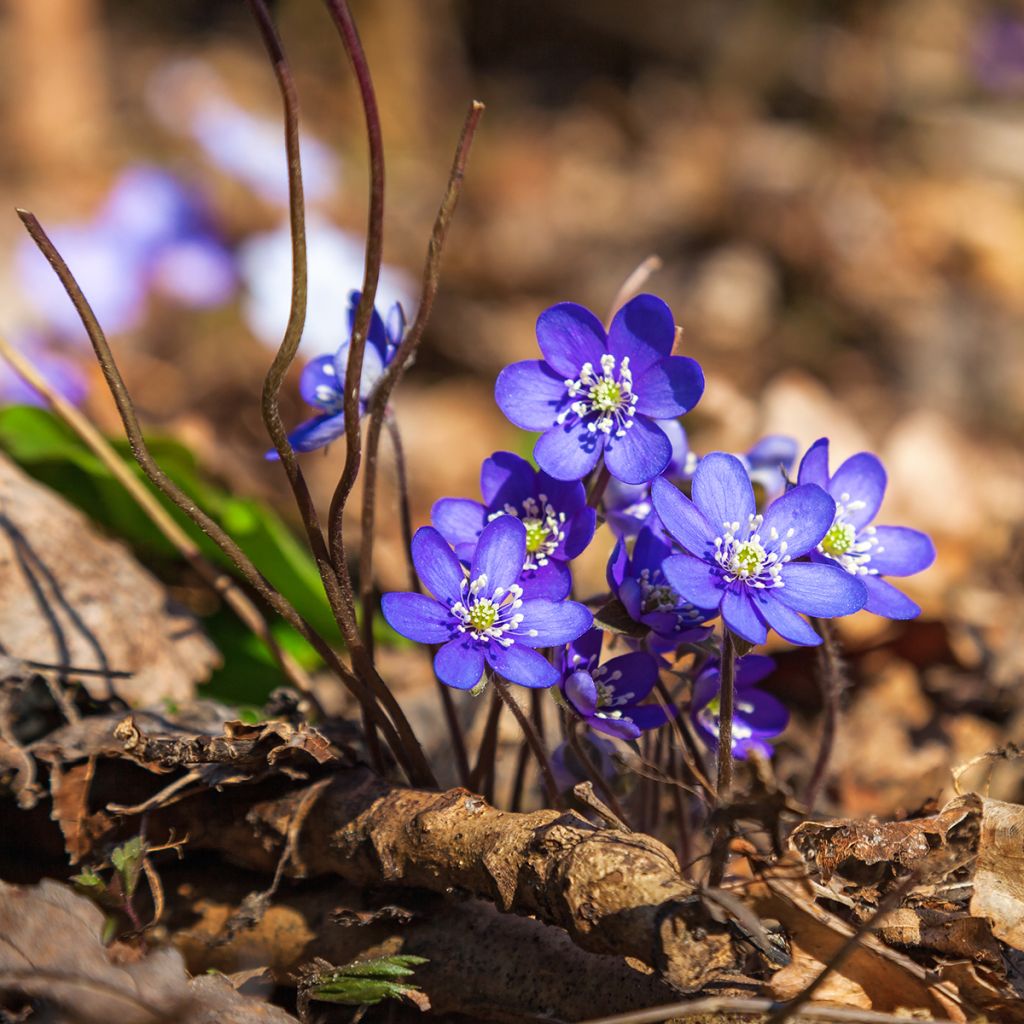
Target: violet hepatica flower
[607, 697]
[757, 716]
[745, 563]
[597, 394]
[322, 383]
[483, 619]
[865, 551]
[638, 580]
[559, 525]
[769, 462]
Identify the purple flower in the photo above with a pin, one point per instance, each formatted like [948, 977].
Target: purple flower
[639, 582]
[865, 551]
[743, 562]
[482, 618]
[627, 507]
[322, 383]
[769, 462]
[559, 525]
[595, 394]
[62, 372]
[607, 697]
[757, 716]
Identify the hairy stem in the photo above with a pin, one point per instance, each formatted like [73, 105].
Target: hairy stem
[832, 681]
[530, 735]
[720, 843]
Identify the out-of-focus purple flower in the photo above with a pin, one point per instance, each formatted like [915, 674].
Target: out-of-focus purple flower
[62, 372]
[769, 462]
[559, 525]
[757, 716]
[628, 507]
[865, 551]
[322, 384]
[335, 260]
[608, 697]
[595, 394]
[568, 770]
[743, 562]
[482, 619]
[998, 52]
[639, 582]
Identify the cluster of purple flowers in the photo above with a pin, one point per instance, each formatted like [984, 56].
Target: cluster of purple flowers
[724, 536]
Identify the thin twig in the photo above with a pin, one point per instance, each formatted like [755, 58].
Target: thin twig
[570, 726]
[219, 582]
[530, 735]
[483, 770]
[633, 284]
[727, 675]
[832, 681]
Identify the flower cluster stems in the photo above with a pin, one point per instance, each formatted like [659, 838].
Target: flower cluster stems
[832, 681]
[720, 842]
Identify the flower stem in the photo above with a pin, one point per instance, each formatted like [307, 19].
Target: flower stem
[599, 482]
[832, 680]
[481, 779]
[531, 737]
[720, 842]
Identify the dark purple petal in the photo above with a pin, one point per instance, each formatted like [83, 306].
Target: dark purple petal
[418, 617]
[740, 615]
[638, 674]
[437, 566]
[320, 385]
[763, 713]
[552, 581]
[814, 465]
[519, 664]
[800, 518]
[581, 691]
[618, 562]
[680, 446]
[314, 433]
[650, 716]
[578, 534]
[376, 335]
[884, 599]
[640, 454]
[901, 551]
[570, 336]
[643, 330]
[785, 621]
[566, 496]
[460, 663]
[549, 623]
[822, 590]
[530, 394]
[506, 478]
[632, 598]
[695, 580]
[585, 649]
[568, 452]
[862, 478]
[621, 728]
[669, 387]
[682, 518]
[500, 553]
[752, 668]
[722, 491]
[458, 520]
[649, 551]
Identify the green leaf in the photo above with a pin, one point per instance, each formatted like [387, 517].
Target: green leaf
[613, 616]
[366, 982]
[89, 882]
[127, 861]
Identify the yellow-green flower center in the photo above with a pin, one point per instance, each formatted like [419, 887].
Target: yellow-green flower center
[606, 395]
[839, 539]
[482, 615]
[747, 558]
[536, 534]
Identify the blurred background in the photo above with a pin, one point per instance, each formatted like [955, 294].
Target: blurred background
[836, 192]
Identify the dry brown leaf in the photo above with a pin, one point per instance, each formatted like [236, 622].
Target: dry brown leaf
[72, 597]
[999, 872]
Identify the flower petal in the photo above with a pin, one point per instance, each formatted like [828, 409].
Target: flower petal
[506, 478]
[773, 451]
[313, 434]
[460, 663]
[566, 496]
[578, 534]
[584, 650]
[637, 674]
[814, 465]
[740, 615]
[785, 621]
[519, 664]
[552, 581]
[620, 728]
[692, 578]
[569, 336]
[581, 692]
[500, 553]
[320, 385]
[530, 394]
[649, 551]
[764, 714]
[682, 518]
[901, 551]
[884, 599]
[437, 566]
[641, 454]
[862, 477]
[549, 623]
[650, 716]
[569, 451]
[722, 491]
[799, 519]
[458, 520]
[669, 387]
[618, 563]
[822, 590]
[752, 668]
[418, 617]
[643, 330]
